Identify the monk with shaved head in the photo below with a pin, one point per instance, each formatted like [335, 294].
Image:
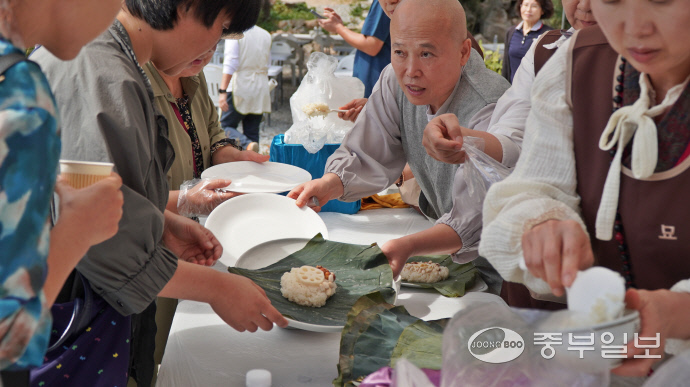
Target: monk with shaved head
[433, 71]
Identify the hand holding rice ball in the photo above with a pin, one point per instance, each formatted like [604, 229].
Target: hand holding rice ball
[308, 285]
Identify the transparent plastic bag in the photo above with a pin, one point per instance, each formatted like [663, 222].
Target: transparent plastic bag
[408, 375]
[481, 170]
[199, 197]
[320, 85]
[530, 368]
[674, 373]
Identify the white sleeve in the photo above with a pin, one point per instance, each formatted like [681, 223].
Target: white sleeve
[511, 111]
[676, 346]
[543, 184]
[231, 59]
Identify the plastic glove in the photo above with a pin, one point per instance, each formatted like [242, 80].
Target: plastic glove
[199, 197]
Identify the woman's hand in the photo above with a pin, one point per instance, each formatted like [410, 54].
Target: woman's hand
[555, 250]
[654, 318]
[243, 305]
[353, 108]
[92, 213]
[190, 241]
[223, 102]
[228, 154]
[331, 22]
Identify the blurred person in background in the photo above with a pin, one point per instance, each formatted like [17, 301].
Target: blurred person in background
[519, 39]
[244, 90]
[373, 44]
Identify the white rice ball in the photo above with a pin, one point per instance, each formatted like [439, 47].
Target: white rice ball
[307, 286]
[424, 272]
[315, 109]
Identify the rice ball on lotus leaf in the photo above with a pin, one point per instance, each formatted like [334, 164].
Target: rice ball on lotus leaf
[424, 272]
[308, 285]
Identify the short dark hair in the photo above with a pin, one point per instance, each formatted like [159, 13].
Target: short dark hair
[546, 6]
[162, 14]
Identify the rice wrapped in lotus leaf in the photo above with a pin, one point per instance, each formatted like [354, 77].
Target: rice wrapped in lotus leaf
[360, 270]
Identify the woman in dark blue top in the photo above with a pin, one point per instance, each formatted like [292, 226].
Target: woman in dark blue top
[520, 38]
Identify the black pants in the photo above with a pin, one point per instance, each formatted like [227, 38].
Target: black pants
[15, 378]
[250, 122]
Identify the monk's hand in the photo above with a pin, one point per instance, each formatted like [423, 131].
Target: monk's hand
[397, 252]
[443, 139]
[318, 192]
[353, 108]
[555, 250]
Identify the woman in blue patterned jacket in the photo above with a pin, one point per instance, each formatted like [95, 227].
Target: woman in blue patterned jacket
[29, 151]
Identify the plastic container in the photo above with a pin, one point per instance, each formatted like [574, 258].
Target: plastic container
[295, 154]
[82, 174]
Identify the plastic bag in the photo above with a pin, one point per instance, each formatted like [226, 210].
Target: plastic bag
[674, 373]
[481, 170]
[530, 368]
[199, 197]
[320, 85]
[408, 375]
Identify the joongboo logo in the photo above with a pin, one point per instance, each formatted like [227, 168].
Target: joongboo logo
[496, 345]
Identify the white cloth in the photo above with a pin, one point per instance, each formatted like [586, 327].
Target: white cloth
[633, 122]
[249, 83]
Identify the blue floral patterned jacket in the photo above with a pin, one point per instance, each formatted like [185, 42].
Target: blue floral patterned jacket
[29, 153]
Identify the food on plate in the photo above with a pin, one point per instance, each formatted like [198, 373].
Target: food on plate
[308, 285]
[424, 272]
[315, 109]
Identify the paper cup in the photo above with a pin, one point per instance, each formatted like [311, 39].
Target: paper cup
[82, 174]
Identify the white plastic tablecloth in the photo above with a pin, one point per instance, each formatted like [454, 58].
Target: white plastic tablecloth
[203, 351]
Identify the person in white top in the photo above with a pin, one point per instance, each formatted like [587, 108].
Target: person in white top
[244, 91]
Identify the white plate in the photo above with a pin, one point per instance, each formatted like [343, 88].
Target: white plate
[246, 221]
[268, 253]
[251, 177]
[479, 285]
[271, 252]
